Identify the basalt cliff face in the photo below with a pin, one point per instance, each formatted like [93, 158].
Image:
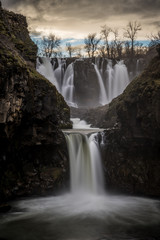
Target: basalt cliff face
[86, 83]
[131, 143]
[33, 156]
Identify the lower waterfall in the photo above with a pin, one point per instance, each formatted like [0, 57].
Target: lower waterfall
[85, 164]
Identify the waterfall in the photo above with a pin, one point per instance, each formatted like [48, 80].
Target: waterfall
[59, 72]
[109, 82]
[46, 69]
[121, 78]
[85, 164]
[102, 96]
[68, 88]
[112, 81]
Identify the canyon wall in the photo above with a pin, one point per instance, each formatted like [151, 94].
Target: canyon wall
[33, 156]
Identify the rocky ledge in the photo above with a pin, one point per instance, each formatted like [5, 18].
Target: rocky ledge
[33, 156]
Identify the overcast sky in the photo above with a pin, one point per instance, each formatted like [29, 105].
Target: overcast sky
[77, 18]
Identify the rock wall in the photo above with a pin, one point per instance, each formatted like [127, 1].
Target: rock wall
[131, 149]
[86, 83]
[33, 156]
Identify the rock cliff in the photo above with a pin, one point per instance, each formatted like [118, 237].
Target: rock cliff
[33, 156]
[86, 83]
[131, 149]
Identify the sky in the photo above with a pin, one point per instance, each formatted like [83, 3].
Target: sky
[73, 20]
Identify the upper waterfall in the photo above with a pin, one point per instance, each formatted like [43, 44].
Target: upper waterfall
[68, 89]
[46, 69]
[87, 84]
[121, 79]
[102, 96]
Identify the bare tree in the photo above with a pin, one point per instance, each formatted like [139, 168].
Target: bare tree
[78, 52]
[118, 45]
[131, 33]
[87, 46]
[50, 44]
[127, 45]
[112, 49]
[102, 52]
[70, 49]
[105, 36]
[91, 44]
[155, 41]
[139, 49]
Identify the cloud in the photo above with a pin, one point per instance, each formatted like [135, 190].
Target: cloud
[156, 23]
[84, 16]
[89, 8]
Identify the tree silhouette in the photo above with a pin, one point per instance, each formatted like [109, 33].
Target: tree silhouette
[91, 44]
[155, 41]
[131, 33]
[105, 36]
[70, 49]
[50, 44]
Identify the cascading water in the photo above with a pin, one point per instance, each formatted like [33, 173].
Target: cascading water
[80, 124]
[121, 79]
[109, 80]
[85, 164]
[46, 69]
[102, 95]
[112, 82]
[68, 88]
[59, 73]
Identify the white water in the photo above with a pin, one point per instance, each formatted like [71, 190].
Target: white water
[109, 80]
[80, 124]
[121, 79]
[63, 80]
[85, 163]
[46, 69]
[68, 89]
[59, 73]
[102, 95]
[112, 82]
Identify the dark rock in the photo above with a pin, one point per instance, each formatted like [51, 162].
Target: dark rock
[131, 148]
[33, 156]
[4, 208]
[86, 83]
